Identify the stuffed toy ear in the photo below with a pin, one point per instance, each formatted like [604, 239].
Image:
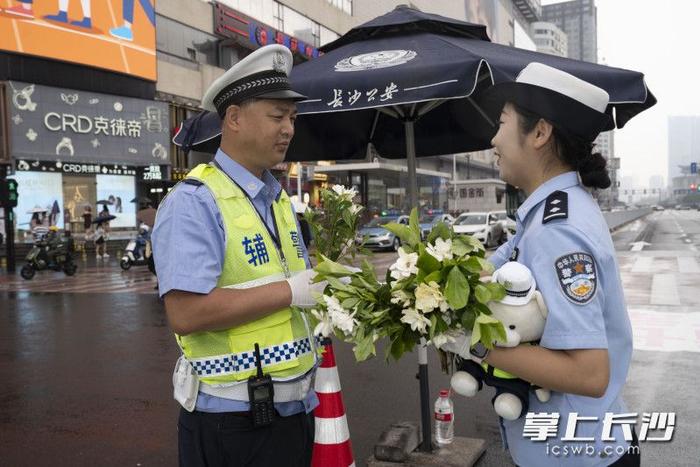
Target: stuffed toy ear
[541, 304]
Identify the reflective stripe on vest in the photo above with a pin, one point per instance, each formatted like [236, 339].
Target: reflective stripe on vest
[252, 258]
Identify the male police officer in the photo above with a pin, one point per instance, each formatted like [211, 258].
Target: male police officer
[230, 262]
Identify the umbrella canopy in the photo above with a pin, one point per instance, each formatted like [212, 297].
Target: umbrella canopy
[413, 66]
[102, 219]
[37, 209]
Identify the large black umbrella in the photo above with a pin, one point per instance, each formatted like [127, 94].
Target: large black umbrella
[105, 218]
[410, 83]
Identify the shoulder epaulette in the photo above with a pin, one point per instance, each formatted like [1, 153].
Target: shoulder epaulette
[193, 181]
[556, 206]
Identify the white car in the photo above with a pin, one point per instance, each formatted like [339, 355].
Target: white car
[483, 226]
[507, 223]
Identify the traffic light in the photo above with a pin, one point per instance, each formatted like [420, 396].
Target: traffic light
[693, 168]
[693, 187]
[8, 193]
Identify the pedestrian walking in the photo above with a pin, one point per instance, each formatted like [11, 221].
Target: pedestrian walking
[544, 145]
[231, 262]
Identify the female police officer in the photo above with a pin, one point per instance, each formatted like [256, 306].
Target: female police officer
[548, 122]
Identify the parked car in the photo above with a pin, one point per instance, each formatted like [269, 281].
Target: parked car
[507, 223]
[657, 207]
[431, 220]
[378, 237]
[483, 226]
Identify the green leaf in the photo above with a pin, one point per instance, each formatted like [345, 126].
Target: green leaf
[461, 247]
[364, 348]
[471, 265]
[337, 285]
[486, 265]
[497, 291]
[369, 273]
[486, 319]
[468, 320]
[482, 294]
[427, 263]
[402, 231]
[457, 289]
[441, 230]
[414, 225]
[433, 325]
[327, 268]
[435, 276]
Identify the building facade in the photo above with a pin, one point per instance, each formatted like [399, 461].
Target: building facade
[683, 145]
[81, 124]
[549, 38]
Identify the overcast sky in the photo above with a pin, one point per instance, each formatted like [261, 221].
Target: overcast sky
[661, 40]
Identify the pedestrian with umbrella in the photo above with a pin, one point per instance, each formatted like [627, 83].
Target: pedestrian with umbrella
[101, 235]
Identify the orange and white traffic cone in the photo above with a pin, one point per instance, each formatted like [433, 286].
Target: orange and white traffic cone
[332, 446]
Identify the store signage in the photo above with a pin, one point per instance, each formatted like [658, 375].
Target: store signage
[48, 123]
[234, 24]
[150, 173]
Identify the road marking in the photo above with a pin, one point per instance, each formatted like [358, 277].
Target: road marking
[664, 290]
[665, 331]
[638, 246]
[643, 264]
[688, 265]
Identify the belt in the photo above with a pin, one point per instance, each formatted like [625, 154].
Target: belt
[283, 391]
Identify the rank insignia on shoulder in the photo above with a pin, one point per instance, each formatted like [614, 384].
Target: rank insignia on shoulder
[577, 276]
[192, 181]
[556, 206]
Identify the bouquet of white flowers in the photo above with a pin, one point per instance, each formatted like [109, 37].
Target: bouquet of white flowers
[431, 291]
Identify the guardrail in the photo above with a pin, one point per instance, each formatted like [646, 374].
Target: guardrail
[616, 219]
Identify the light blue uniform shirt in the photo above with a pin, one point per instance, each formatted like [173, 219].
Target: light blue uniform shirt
[189, 225]
[557, 252]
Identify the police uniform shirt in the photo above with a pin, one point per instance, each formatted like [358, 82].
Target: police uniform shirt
[563, 238]
[189, 225]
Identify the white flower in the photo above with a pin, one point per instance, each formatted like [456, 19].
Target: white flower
[429, 297]
[415, 319]
[405, 265]
[355, 208]
[442, 339]
[344, 321]
[346, 193]
[339, 317]
[442, 249]
[324, 327]
[399, 297]
[332, 303]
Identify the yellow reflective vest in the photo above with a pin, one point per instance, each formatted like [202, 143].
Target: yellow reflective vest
[252, 258]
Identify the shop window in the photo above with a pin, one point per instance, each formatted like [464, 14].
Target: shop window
[462, 192]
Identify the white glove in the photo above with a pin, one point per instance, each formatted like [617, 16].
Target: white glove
[303, 290]
[460, 346]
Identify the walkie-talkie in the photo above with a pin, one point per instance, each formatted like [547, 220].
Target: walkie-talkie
[261, 394]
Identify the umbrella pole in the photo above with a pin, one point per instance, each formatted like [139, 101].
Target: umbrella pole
[426, 445]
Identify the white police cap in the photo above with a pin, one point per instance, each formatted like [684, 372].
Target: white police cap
[566, 101]
[518, 281]
[262, 74]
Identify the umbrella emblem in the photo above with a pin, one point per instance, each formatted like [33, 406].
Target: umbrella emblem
[374, 60]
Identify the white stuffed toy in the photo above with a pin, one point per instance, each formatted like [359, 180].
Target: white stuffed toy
[522, 312]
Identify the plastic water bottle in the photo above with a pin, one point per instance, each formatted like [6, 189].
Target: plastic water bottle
[444, 418]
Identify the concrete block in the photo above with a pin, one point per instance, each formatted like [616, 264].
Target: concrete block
[463, 452]
[397, 442]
